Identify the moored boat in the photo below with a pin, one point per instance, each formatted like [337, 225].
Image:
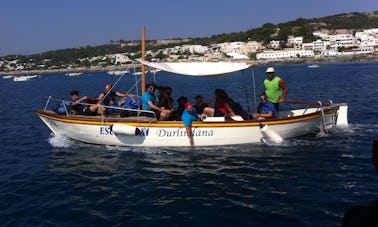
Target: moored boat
[313, 66]
[118, 72]
[73, 74]
[8, 76]
[24, 78]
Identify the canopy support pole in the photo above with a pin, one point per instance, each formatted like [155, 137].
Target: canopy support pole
[143, 58]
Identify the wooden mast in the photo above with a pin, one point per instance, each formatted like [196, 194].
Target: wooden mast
[143, 58]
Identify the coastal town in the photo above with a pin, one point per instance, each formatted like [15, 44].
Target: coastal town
[335, 45]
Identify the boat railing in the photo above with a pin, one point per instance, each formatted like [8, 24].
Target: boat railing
[62, 106]
[318, 105]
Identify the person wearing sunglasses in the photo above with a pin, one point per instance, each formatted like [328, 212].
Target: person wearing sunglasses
[265, 109]
[149, 102]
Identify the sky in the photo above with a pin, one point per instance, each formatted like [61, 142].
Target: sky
[35, 26]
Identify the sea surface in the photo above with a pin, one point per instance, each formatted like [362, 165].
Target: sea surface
[47, 180]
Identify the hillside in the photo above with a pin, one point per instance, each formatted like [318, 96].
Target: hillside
[351, 22]
[300, 27]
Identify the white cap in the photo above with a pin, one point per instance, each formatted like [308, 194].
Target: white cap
[270, 70]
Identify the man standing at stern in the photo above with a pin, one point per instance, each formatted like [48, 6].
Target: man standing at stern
[275, 88]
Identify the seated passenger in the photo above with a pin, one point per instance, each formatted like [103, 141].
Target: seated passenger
[265, 109]
[238, 109]
[166, 102]
[181, 107]
[200, 104]
[222, 105]
[78, 105]
[109, 97]
[149, 102]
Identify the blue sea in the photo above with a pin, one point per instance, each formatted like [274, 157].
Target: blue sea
[46, 180]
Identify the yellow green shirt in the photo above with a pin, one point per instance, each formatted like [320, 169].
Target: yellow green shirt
[272, 89]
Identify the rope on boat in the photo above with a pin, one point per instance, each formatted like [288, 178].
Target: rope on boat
[254, 88]
[107, 93]
[246, 92]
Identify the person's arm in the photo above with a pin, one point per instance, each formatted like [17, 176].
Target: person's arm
[228, 107]
[124, 94]
[285, 89]
[153, 106]
[79, 101]
[266, 115]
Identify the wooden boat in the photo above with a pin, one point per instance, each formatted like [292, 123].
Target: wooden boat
[142, 128]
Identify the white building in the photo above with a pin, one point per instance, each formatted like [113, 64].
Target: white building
[195, 49]
[342, 40]
[274, 44]
[282, 54]
[295, 42]
[230, 46]
[320, 45]
[368, 37]
[250, 47]
[119, 58]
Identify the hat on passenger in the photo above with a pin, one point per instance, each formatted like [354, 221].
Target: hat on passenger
[188, 104]
[270, 70]
[108, 86]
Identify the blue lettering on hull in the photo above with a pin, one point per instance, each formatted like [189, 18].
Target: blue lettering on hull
[179, 132]
[106, 130]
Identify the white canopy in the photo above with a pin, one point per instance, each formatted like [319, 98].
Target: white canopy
[198, 68]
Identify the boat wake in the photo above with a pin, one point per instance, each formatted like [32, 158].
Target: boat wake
[147, 150]
[59, 141]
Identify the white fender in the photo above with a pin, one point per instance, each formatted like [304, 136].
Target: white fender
[125, 130]
[342, 116]
[270, 134]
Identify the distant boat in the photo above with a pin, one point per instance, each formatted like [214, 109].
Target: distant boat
[118, 72]
[154, 71]
[313, 66]
[24, 78]
[73, 74]
[8, 76]
[138, 73]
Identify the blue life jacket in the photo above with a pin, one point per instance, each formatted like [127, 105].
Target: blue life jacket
[60, 107]
[132, 103]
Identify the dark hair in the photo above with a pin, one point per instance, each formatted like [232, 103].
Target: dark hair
[221, 95]
[151, 84]
[182, 98]
[198, 97]
[74, 92]
[263, 94]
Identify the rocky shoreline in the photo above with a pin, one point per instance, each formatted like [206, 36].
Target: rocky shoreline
[367, 58]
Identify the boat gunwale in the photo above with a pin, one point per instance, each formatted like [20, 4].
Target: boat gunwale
[142, 121]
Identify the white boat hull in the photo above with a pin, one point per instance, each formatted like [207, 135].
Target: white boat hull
[131, 132]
